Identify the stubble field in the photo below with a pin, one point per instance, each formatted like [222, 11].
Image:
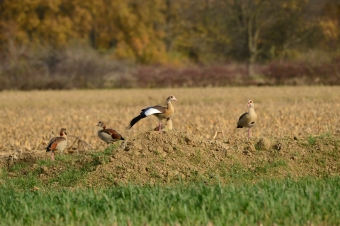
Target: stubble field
[29, 119]
[203, 172]
[296, 134]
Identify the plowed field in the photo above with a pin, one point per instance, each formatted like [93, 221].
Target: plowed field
[296, 134]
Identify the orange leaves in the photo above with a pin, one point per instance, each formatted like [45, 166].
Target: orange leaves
[53, 22]
[330, 29]
[136, 22]
[163, 31]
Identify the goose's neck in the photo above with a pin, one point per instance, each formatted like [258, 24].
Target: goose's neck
[169, 106]
[251, 111]
[101, 128]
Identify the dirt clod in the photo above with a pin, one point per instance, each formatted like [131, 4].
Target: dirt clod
[264, 144]
[44, 169]
[278, 146]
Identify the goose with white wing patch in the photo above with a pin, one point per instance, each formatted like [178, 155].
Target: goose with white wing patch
[160, 112]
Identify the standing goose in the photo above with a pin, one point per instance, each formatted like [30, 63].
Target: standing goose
[57, 143]
[160, 112]
[108, 135]
[248, 119]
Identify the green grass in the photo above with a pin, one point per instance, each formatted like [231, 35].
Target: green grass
[66, 170]
[325, 137]
[238, 172]
[285, 202]
[311, 140]
[247, 197]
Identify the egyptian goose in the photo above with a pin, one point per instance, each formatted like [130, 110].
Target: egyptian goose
[159, 111]
[108, 135]
[166, 127]
[57, 143]
[248, 119]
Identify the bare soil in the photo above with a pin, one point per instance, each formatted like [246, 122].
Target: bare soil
[173, 156]
[296, 135]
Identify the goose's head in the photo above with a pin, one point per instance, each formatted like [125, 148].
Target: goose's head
[101, 124]
[171, 98]
[250, 104]
[63, 132]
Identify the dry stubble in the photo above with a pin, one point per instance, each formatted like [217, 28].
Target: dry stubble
[29, 119]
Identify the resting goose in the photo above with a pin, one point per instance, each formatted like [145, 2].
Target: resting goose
[159, 111]
[248, 119]
[108, 135]
[57, 143]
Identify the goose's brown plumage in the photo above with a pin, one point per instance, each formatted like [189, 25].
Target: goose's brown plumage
[57, 143]
[248, 119]
[160, 112]
[108, 135]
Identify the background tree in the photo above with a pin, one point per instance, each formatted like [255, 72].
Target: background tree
[157, 31]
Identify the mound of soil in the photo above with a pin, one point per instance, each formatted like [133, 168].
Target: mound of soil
[160, 157]
[172, 156]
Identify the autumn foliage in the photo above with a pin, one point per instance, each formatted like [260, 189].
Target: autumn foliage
[92, 44]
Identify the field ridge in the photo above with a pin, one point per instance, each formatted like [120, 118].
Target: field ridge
[171, 157]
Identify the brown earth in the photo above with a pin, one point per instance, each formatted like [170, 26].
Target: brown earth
[296, 134]
[28, 120]
[173, 156]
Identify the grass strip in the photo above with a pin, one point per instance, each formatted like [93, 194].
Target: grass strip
[285, 202]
